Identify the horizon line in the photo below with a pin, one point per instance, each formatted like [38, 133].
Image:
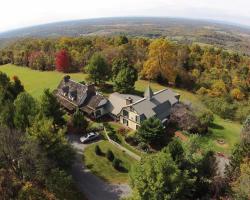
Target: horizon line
[210, 20]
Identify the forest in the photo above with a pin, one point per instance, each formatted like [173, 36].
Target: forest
[220, 77]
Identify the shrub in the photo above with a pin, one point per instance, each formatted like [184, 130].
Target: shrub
[122, 131]
[132, 138]
[110, 156]
[113, 136]
[116, 163]
[143, 146]
[202, 91]
[205, 117]
[221, 106]
[237, 94]
[93, 127]
[98, 150]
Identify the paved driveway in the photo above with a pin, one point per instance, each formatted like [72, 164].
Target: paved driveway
[92, 186]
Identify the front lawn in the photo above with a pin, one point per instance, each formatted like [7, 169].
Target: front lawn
[103, 168]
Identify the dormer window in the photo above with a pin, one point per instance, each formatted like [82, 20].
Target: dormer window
[65, 91]
[72, 95]
[72, 98]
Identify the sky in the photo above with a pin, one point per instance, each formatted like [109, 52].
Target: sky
[22, 13]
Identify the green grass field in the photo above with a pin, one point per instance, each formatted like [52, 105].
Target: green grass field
[102, 167]
[35, 82]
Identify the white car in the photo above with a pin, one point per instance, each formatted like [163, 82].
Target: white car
[89, 137]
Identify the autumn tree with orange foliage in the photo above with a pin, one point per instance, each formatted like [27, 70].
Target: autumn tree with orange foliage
[162, 60]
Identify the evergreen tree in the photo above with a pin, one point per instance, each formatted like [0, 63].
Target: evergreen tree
[79, 121]
[25, 110]
[50, 108]
[151, 130]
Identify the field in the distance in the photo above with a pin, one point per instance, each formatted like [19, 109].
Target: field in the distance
[35, 82]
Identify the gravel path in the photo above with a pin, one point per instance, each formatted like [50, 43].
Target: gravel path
[92, 186]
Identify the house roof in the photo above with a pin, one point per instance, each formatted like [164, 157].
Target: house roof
[71, 94]
[76, 90]
[117, 101]
[148, 92]
[93, 102]
[66, 103]
[158, 105]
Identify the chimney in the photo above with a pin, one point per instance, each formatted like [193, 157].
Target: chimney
[91, 88]
[66, 78]
[129, 100]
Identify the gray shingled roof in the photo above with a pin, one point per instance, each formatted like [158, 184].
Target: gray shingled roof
[159, 105]
[70, 86]
[85, 95]
[148, 92]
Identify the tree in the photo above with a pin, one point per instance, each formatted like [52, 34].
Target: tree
[79, 121]
[37, 60]
[61, 184]
[30, 191]
[161, 60]
[158, 177]
[17, 87]
[34, 162]
[245, 133]
[176, 150]
[25, 110]
[125, 80]
[241, 186]
[151, 130]
[98, 68]
[119, 64]
[240, 152]
[7, 115]
[5, 89]
[53, 142]
[62, 61]
[50, 108]
[120, 40]
[205, 117]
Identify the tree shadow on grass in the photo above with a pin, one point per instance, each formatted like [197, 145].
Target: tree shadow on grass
[138, 93]
[216, 126]
[122, 169]
[90, 166]
[106, 88]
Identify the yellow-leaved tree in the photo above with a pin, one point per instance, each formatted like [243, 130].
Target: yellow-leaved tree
[161, 60]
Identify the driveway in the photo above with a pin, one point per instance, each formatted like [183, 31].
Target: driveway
[92, 186]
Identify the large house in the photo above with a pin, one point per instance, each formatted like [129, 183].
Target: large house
[72, 95]
[131, 110]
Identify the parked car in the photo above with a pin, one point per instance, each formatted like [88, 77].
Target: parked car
[89, 137]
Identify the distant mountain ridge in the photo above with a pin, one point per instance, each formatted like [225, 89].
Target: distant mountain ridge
[184, 30]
